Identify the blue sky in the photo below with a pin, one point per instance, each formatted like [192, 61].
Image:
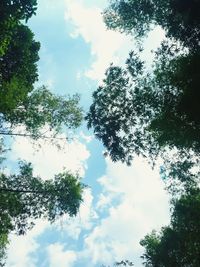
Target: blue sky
[122, 203]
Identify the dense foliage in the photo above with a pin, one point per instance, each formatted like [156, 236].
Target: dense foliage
[142, 111]
[139, 112]
[177, 245]
[11, 15]
[18, 69]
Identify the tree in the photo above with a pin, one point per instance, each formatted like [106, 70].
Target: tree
[148, 112]
[24, 198]
[179, 18]
[156, 113]
[177, 245]
[145, 112]
[37, 113]
[18, 9]
[18, 69]
[113, 115]
[176, 79]
[20, 104]
[181, 175]
[11, 15]
[42, 109]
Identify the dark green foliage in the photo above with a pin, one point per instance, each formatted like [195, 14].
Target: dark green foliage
[18, 69]
[24, 198]
[17, 9]
[3, 245]
[128, 15]
[163, 106]
[179, 18]
[177, 245]
[146, 113]
[177, 86]
[156, 113]
[181, 174]
[18, 54]
[11, 14]
[117, 113]
[109, 111]
[21, 57]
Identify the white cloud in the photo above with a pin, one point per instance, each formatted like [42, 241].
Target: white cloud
[48, 159]
[87, 138]
[21, 247]
[106, 46]
[103, 201]
[83, 221]
[143, 206]
[151, 43]
[59, 257]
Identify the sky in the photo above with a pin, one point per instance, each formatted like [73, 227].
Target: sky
[121, 204]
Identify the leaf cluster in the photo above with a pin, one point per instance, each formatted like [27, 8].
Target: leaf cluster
[178, 244]
[11, 15]
[179, 18]
[24, 198]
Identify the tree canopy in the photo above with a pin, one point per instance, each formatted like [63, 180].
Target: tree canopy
[37, 113]
[24, 197]
[11, 15]
[21, 104]
[18, 69]
[148, 111]
[135, 111]
[178, 244]
[179, 18]
[155, 112]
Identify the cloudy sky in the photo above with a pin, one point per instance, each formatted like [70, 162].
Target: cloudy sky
[122, 203]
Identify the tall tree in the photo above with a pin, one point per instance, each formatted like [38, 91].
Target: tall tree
[141, 112]
[20, 104]
[24, 198]
[147, 112]
[177, 245]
